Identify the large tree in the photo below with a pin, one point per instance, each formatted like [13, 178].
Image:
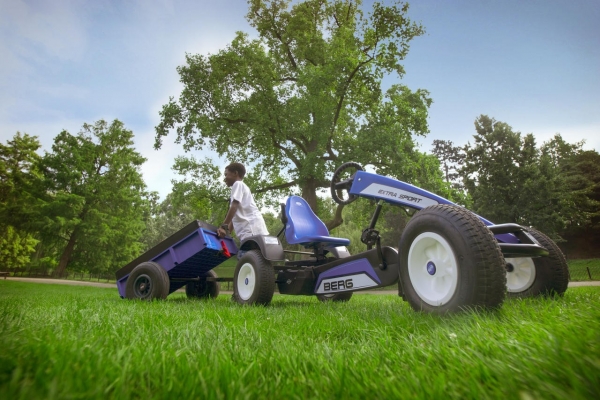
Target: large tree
[511, 180]
[451, 160]
[305, 95]
[19, 181]
[95, 202]
[580, 170]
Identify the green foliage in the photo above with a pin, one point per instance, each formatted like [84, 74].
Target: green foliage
[510, 180]
[19, 181]
[580, 171]
[305, 96]
[15, 247]
[84, 342]
[93, 208]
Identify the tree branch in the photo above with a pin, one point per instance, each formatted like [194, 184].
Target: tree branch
[338, 109]
[337, 219]
[287, 151]
[277, 187]
[234, 121]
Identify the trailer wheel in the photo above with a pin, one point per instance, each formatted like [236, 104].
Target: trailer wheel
[203, 289]
[540, 276]
[147, 281]
[344, 296]
[450, 261]
[253, 280]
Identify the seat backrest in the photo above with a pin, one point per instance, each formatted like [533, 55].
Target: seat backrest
[302, 221]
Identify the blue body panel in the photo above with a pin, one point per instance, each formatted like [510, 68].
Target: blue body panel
[393, 191]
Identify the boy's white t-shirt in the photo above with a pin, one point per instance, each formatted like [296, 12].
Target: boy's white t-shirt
[247, 221]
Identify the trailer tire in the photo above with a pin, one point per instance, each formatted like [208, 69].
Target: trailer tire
[540, 276]
[203, 289]
[147, 281]
[450, 261]
[253, 280]
[335, 297]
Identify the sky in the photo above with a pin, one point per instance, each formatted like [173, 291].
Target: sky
[534, 64]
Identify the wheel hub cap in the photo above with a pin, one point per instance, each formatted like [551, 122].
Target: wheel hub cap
[431, 268]
[246, 281]
[520, 274]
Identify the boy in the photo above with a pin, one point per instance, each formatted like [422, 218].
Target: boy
[243, 215]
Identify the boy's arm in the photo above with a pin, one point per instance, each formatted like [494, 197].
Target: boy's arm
[227, 225]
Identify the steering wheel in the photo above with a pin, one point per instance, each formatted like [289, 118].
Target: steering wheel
[338, 185]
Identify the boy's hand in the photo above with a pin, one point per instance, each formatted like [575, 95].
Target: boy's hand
[223, 230]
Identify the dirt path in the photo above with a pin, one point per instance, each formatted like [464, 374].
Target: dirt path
[113, 285]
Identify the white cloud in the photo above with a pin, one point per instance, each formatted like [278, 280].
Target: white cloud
[55, 27]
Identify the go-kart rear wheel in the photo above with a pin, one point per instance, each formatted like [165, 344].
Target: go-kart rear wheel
[254, 279]
[335, 297]
[540, 276]
[450, 261]
[147, 281]
[203, 289]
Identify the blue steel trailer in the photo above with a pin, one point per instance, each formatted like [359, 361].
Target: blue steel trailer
[186, 257]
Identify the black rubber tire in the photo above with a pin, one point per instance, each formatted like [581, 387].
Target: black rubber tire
[147, 281]
[253, 279]
[203, 289]
[459, 240]
[336, 193]
[551, 271]
[335, 297]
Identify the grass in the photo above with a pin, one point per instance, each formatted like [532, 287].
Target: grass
[70, 342]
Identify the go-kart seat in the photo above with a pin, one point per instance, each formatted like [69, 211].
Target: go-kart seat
[305, 228]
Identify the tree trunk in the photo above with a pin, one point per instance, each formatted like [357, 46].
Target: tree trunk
[66, 255]
[337, 218]
[309, 193]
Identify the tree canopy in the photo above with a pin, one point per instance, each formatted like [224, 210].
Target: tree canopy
[94, 199]
[511, 179]
[19, 179]
[305, 95]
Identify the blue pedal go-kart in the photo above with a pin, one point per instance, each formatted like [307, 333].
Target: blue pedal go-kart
[448, 258]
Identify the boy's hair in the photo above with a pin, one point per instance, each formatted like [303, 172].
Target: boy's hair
[237, 167]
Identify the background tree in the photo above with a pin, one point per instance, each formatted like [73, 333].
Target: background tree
[451, 160]
[19, 181]
[94, 205]
[509, 180]
[580, 170]
[15, 248]
[305, 96]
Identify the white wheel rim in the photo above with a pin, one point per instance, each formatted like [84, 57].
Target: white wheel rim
[246, 281]
[520, 274]
[432, 268]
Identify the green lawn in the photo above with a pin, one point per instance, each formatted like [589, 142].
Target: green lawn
[70, 342]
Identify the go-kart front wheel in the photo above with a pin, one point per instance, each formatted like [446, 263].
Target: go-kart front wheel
[203, 289]
[450, 261]
[253, 279]
[540, 276]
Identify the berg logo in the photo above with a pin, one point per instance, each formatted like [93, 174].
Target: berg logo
[345, 283]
